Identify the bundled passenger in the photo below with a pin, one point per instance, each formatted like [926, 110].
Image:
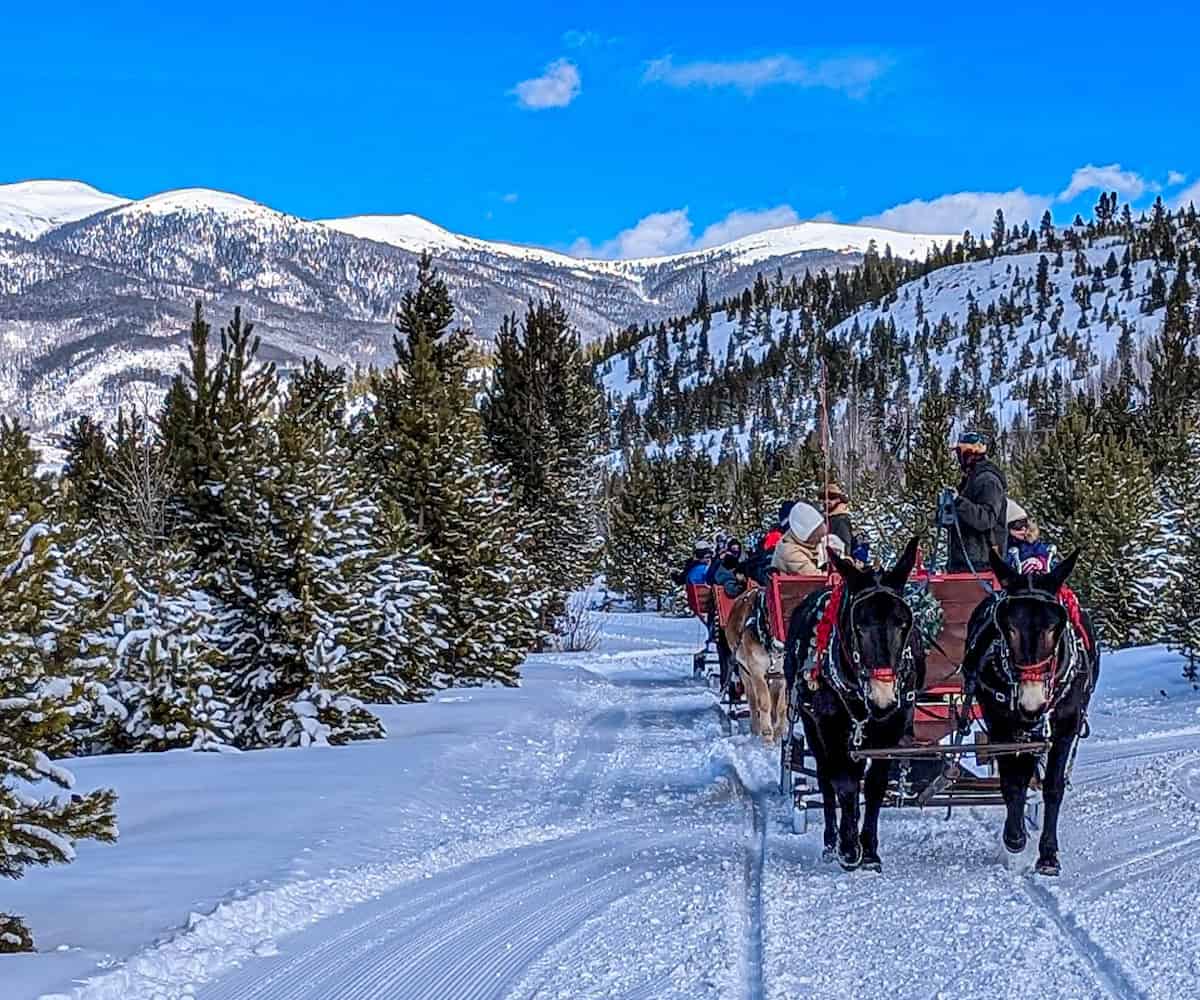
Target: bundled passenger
[804, 547]
[1027, 553]
[695, 570]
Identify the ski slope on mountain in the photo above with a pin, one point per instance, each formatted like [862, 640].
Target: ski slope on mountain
[595, 834]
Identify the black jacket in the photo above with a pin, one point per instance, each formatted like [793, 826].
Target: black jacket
[982, 504]
[839, 524]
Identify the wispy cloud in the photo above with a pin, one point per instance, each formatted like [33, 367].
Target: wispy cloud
[851, 75]
[510, 198]
[1174, 177]
[1110, 178]
[662, 233]
[954, 213]
[577, 38]
[557, 87]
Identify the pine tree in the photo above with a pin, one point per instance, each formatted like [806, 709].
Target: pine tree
[427, 459]
[540, 417]
[1096, 493]
[929, 467]
[648, 531]
[358, 586]
[44, 683]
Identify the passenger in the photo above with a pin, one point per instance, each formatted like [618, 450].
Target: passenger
[804, 546]
[837, 510]
[695, 569]
[1027, 553]
[772, 537]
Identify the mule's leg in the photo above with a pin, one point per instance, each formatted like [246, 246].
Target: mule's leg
[874, 789]
[761, 699]
[779, 706]
[1015, 773]
[850, 852]
[829, 808]
[1054, 786]
[812, 736]
[756, 699]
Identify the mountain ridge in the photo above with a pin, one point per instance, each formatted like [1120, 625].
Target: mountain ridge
[96, 304]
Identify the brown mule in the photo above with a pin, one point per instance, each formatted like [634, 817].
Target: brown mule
[761, 669]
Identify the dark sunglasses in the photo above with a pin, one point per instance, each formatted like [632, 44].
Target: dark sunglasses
[1018, 525]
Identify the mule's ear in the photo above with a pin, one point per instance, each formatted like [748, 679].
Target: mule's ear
[847, 570]
[898, 575]
[1052, 582]
[1004, 572]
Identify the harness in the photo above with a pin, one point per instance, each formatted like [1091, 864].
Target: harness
[758, 621]
[1056, 672]
[830, 659]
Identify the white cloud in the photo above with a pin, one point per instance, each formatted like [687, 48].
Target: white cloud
[1109, 178]
[852, 75]
[510, 198]
[953, 213]
[1188, 196]
[663, 233]
[557, 87]
[738, 224]
[657, 234]
[1174, 177]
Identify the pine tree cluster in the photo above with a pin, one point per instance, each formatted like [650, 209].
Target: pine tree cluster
[1105, 456]
[260, 560]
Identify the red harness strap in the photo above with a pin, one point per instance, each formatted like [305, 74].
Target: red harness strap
[826, 626]
[1067, 598]
[1038, 673]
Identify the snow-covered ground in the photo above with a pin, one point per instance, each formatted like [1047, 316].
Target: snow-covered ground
[594, 834]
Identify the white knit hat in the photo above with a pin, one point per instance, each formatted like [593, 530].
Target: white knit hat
[1015, 512]
[804, 520]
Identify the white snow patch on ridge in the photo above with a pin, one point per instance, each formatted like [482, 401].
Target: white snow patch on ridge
[197, 200]
[32, 208]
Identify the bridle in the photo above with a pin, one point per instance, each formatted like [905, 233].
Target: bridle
[1044, 671]
[853, 692]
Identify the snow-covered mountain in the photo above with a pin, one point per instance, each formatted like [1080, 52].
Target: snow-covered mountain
[32, 208]
[1002, 334]
[96, 291]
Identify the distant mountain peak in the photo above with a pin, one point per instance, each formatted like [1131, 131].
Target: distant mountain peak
[198, 200]
[31, 208]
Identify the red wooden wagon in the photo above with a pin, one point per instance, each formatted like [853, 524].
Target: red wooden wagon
[931, 772]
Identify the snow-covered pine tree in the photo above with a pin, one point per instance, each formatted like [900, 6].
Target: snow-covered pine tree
[361, 587]
[43, 683]
[541, 417]
[166, 669]
[427, 458]
[1096, 493]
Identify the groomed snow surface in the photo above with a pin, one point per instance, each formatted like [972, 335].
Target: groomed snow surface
[594, 834]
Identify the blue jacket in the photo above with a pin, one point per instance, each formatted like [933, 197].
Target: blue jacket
[698, 573]
[1019, 553]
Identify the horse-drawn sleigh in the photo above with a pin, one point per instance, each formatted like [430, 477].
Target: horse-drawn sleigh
[848, 728]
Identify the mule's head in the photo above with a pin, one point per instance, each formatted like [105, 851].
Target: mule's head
[1031, 623]
[875, 624]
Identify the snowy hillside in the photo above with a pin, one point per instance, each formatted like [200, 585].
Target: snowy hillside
[990, 328]
[96, 291]
[593, 834]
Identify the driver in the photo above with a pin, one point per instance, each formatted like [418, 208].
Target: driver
[980, 508]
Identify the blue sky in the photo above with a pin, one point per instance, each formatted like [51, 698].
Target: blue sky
[616, 128]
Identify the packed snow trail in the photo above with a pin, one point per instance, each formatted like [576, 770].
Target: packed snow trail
[593, 835]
